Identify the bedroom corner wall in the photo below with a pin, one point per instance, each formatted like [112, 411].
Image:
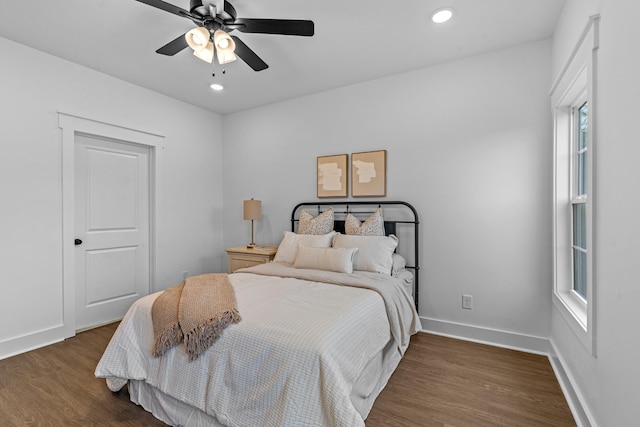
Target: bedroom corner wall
[36, 86]
[605, 386]
[468, 144]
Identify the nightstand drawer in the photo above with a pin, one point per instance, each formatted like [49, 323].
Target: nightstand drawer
[243, 257]
[238, 261]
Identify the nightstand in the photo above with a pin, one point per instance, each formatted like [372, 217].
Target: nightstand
[242, 257]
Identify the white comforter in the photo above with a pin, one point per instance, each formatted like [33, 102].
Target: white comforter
[291, 361]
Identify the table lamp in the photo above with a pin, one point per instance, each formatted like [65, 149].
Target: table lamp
[251, 210]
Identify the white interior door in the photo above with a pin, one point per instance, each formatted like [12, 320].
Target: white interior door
[112, 228]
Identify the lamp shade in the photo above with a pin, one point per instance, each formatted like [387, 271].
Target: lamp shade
[198, 38]
[252, 209]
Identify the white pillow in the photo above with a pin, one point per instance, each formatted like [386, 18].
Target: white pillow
[321, 224]
[374, 252]
[289, 245]
[329, 259]
[398, 263]
[372, 226]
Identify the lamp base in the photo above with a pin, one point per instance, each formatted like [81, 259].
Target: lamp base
[251, 245]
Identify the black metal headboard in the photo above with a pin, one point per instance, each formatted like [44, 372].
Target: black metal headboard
[406, 213]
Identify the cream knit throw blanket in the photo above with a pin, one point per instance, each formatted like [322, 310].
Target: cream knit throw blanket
[196, 312]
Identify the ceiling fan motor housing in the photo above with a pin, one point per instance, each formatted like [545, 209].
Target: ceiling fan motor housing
[209, 21]
[197, 7]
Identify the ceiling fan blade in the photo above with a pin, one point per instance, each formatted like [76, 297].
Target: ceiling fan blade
[168, 7]
[249, 56]
[230, 10]
[173, 46]
[290, 27]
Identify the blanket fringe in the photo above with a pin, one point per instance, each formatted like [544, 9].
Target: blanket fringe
[166, 340]
[200, 338]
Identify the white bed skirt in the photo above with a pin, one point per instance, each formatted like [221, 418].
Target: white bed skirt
[177, 413]
[168, 409]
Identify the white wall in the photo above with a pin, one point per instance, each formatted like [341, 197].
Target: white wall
[468, 144]
[570, 24]
[608, 383]
[35, 87]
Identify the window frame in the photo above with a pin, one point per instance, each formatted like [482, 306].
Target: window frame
[575, 84]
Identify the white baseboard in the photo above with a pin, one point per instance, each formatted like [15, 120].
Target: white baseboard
[34, 340]
[514, 341]
[494, 337]
[580, 412]
[31, 341]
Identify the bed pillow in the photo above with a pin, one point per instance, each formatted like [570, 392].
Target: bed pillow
[374, 252]
[328, 259]
[398, 262]
[321, 224]
[372, 226]
[290, 242]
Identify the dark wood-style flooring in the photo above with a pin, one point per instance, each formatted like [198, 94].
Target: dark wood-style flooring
[440, 382]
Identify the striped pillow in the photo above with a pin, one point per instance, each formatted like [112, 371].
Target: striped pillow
[374, 252]
[327, 259]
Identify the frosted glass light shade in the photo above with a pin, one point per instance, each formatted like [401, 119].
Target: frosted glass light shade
[225, 47]
[252, 209]
[205, 54]
[198, 38]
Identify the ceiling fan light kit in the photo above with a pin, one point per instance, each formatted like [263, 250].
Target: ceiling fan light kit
[199, 38]
[219, 17]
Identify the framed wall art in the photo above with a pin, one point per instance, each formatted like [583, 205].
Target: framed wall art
[369, 174]
[332, 176]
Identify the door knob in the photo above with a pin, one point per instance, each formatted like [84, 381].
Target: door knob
[78, 242]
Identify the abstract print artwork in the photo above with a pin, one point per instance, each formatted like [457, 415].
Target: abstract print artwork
[332, 175]
[369, 174]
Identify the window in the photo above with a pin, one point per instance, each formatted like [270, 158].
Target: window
[574, 116]
[579, 123]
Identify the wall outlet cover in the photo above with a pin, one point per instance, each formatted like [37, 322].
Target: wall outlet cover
[467, 302]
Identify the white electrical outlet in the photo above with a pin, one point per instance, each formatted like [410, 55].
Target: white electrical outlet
[467, 302]
[184, 275]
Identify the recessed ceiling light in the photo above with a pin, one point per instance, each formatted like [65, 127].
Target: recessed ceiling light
[442, 15]
[217, 86]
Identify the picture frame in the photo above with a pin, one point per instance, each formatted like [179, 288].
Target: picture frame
[369, 174]
[332, 175]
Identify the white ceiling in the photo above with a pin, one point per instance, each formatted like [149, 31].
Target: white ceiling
[354, 41]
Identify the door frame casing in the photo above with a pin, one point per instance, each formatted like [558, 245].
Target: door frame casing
[70, 126]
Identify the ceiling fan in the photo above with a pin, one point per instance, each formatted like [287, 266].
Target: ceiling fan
[216, 18]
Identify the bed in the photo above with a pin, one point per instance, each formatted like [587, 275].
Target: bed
[321, 331]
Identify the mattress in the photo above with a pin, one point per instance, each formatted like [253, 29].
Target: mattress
[313, 349]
